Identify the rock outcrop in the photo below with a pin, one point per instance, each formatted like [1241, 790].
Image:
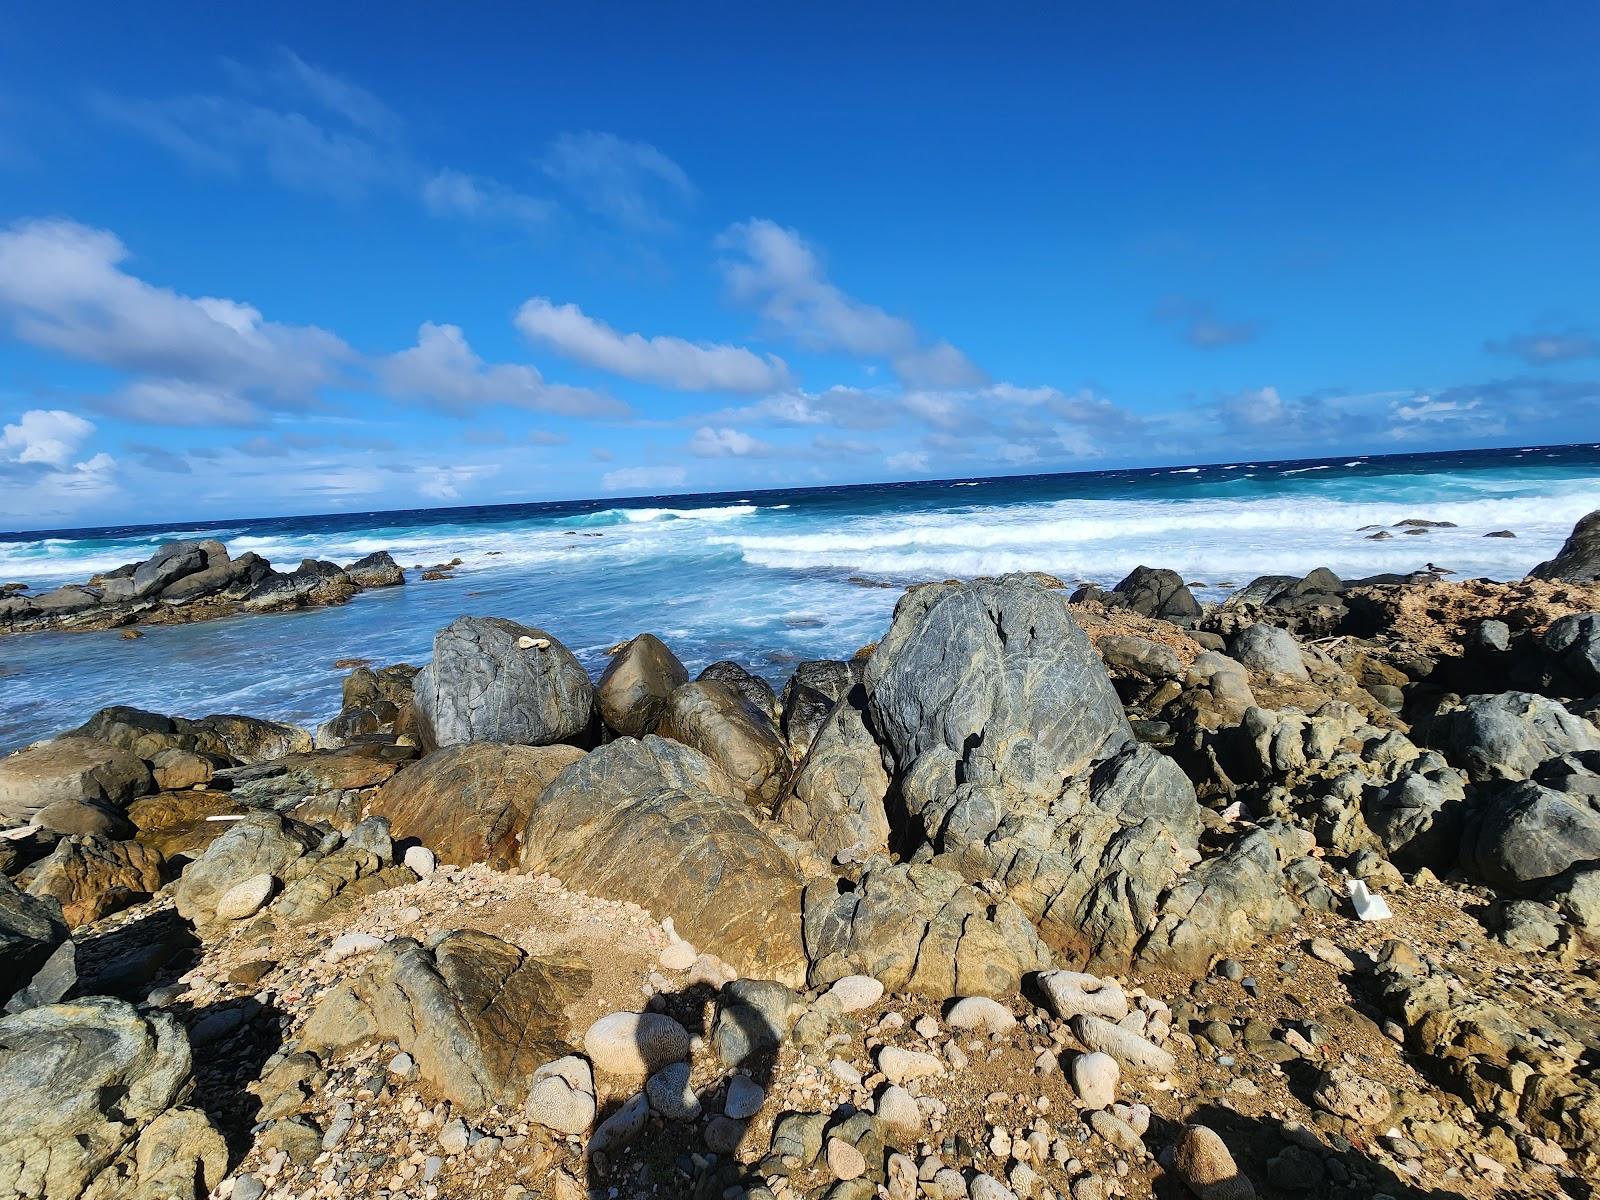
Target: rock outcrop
[730, 731]
[1578, 560]
[70, 770]
[836, 798]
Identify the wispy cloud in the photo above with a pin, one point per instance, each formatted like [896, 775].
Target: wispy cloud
[632, 479]
[726, 443]
[1199, 324]
[1543, 349]
[631, 183]
[668, 361]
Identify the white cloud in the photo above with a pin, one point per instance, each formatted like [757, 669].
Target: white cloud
[643, 478]
[443, 370]
[632, 183]
[175, 402]
[62, 289]
[726, 443]
[776, 272]
[455, 193]
[908, 460]
[668, 361]
[291, 74]
[446, 482]
[44, 435]
[848, 407]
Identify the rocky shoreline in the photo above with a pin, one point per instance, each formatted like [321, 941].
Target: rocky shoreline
[1042, 895]
[191, 581]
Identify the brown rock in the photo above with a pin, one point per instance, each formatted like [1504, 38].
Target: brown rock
[1203, 1162]
[91, 877]
[632, 694]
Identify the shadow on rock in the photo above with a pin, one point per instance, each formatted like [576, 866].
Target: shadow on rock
[231, 1043]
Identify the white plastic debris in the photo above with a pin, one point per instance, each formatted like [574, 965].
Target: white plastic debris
[532, 643]
[1368, 904]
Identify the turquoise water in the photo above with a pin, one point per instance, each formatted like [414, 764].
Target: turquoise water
[771, 577]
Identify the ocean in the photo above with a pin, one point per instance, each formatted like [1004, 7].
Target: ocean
[766, 578]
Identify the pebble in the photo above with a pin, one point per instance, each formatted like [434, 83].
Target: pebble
[635, 1045]
[902, 1066]
[1071, 993]
[1202, 1160]
[348, 945]
[453, 1137]
[248, 1187]
[1326, 951]
[1117, 1132]
[245, 899]
[1129, 1049]
[856, 992]
[1094, 1077]
[723, 1135]
[898, 1110]
[981, 1013]
[845, 1161]
[671, 1093]
[987, 1187]
[745, 1098]
[421, 861]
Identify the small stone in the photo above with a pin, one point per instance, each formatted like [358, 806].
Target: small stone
[1117, 1132]
[635, 1045]
[348, 945]
[902, 1066]
[1094, 1077]
[987, 1187]
[745, 1098]
[1071, 993]
[421, 861]
[245, 899]
[562, 1096]
[856, 992]
[1203, 1162]
[671, 1093]
[1326, 951]
[898, 1110]
[248, 1187]
[453, 1137]
[981, 1013]
[724, 1134]
[1128, 1048]
[844, 1160]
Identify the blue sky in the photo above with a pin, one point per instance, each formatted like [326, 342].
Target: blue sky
[261, 261]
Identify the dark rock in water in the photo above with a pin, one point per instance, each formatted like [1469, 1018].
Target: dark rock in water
[313, 582]
[468, 804]
[1526, 834]
[1159, 593]
[1419, 523]
[1574, 643]
[632, 693]
[836, 797]
[168, 564]
[1383, 535]
[658, 823]
[71, 770]
[90, 1105]
[1501, 533]
[1015, 760]
[1578, 561]
[731, 732]
[476, 1014]
[375, 702]
[1506, 736]
[493, 680]
[752, 687]
[31, 927]
[376, 570]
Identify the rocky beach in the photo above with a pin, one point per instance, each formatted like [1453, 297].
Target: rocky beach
[1048, 892]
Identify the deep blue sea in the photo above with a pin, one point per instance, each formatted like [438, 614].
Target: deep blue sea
[766, 578]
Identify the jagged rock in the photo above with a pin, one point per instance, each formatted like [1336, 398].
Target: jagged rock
[90, 1106]
[836, 796]
[285, 781]
[493, 680]
[1508, 736]
[175, 769]
[1270, 650]
[1578, 560]
[1139, 656]
[168, 564]
[376, 570]
[632, 693]
[90, 877]
[721, 724]
[477, 1015]
[70, 769]
[752, 687]
[656, 822]
[31, 928]
[314, 581]
[468, 804]
[261, 843]
[1015, 762]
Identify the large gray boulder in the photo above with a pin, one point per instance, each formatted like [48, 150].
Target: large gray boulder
[478, 1015]
[493, 680]
[1016, 763]
[170, 563]
[1271, 651]
[835, 799]
[91, 1105]
[71, 770]
[1508, 736]
[1525, 835]
[376, 570]
[1157, 592]
[260, 843]
[1578, 560]
[731, 732]
[633, 691]
[1574, 643]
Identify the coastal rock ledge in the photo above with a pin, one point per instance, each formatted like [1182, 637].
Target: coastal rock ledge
[193, 581]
